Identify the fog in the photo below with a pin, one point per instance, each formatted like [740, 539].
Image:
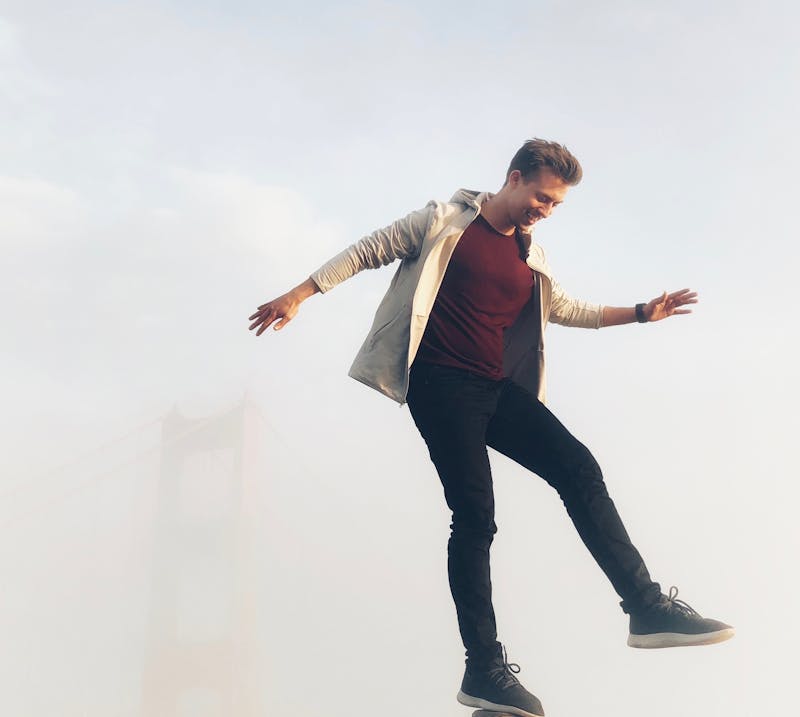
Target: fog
[198, 521]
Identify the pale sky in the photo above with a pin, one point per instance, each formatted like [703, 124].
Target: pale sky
[168, 166]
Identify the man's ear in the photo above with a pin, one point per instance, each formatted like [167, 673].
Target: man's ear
[514, 177]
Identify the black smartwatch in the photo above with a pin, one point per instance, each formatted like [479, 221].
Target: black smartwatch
[640, 317]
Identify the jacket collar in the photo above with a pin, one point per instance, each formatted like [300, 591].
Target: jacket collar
[470, 198]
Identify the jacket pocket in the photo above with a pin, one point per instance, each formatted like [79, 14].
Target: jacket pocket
[377, 334]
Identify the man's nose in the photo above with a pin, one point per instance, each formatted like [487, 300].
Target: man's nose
[546, 210]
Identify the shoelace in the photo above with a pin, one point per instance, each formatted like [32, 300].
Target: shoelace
[673, 603]
[503, 675]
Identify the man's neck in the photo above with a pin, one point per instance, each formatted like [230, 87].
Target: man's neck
[494, 212]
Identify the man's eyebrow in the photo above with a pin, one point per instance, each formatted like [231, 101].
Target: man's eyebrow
[549, 198]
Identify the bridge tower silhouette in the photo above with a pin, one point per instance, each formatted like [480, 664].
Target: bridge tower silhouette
[201, 652]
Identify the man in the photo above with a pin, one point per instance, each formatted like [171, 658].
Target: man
[459, 336]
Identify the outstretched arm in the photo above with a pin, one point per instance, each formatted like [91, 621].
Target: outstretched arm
[659, 308]
[284, 308]
[401, 239]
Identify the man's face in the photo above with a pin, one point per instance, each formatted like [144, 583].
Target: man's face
[533, 200]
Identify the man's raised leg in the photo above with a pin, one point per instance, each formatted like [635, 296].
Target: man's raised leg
[527, 432]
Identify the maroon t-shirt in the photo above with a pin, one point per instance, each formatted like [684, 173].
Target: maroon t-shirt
[484, 289]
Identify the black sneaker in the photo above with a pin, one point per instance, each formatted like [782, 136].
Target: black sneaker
[496, 689]
[672, 623]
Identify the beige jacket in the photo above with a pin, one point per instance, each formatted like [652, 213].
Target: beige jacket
[424, 241]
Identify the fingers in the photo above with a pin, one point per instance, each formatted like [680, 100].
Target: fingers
[285, 319]
[269, 313]
[677, 298]
[265, 316]
[684, 296]
[263, 327]
[658, 300]
[262, 316]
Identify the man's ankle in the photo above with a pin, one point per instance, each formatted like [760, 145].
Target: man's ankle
[485, 658]
[643, 600]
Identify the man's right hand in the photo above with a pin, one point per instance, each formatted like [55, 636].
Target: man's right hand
[283, 309]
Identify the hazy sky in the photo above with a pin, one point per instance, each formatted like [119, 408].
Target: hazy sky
[168, 166]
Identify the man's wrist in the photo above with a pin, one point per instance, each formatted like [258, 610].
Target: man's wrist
[305, 290]
[640, 316]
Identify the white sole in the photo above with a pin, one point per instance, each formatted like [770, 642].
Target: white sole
[496, 709]
[676, 639]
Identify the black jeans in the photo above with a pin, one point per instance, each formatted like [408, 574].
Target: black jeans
[459, 414]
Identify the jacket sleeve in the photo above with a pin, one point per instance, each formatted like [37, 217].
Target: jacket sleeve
[571, 312]
[401, 239]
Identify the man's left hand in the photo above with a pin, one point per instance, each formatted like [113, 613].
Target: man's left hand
[669, 304]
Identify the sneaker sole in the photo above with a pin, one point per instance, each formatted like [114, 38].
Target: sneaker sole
[677, 639]
[496, 709]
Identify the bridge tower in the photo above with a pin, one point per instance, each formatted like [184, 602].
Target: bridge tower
[201, 652]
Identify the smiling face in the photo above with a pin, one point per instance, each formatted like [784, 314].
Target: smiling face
[529, 201]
